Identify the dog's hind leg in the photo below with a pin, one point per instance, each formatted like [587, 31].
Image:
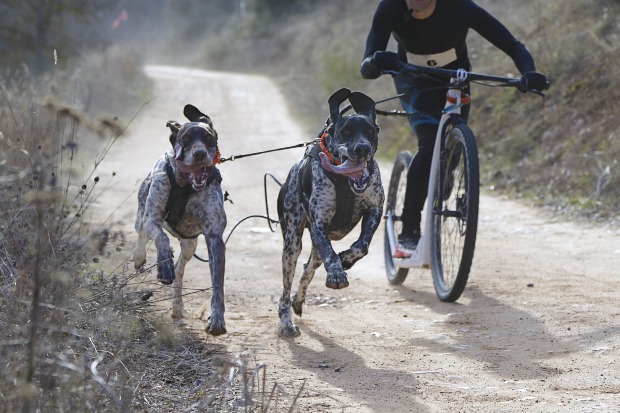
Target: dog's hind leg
[299, 298]
[139, 254]
[292, 218]
[290, 254]
[188, 247]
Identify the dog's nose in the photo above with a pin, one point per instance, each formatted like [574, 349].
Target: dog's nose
[362, 150]
[200, 154]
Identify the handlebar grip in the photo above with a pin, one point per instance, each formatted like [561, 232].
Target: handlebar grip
[540, 92]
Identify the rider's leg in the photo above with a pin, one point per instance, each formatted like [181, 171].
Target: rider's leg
[418, 177]
[425, 103]
[417, 180]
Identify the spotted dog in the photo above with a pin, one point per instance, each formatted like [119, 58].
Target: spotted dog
[182, 194]
[334, 186]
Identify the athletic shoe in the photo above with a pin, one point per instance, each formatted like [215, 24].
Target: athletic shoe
[409, 241]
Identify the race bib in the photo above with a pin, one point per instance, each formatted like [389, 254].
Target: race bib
[432, 60]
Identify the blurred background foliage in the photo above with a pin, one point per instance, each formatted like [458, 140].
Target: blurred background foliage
[560, 152]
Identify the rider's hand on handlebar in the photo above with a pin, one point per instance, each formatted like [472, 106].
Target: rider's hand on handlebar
[533, 81]
[386, 61]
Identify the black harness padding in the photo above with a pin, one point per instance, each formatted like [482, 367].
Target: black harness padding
[345, 197]
[178, 196]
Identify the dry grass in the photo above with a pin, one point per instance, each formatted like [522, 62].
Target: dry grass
[571, 137]
[58, 303]
[79, 329]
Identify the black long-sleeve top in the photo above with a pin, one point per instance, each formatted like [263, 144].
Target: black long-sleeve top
[445, 30]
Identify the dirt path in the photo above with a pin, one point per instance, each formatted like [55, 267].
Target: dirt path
[537, 329]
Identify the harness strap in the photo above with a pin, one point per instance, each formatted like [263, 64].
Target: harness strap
[177, 198]
[343, 216]
[179, 195]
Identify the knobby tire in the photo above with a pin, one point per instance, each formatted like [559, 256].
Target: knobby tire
[394, 206]
[455, 213]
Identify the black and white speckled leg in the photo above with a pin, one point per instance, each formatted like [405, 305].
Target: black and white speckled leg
[217, 263]
[188, 247]
[310, 267]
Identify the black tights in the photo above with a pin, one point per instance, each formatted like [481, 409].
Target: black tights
[430, 104]
[417, 178]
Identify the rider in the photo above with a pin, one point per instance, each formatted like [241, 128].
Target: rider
[432, 33]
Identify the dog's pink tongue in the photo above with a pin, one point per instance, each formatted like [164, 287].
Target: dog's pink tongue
[353, 170]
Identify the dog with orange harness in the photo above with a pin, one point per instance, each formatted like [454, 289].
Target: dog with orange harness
[329, 191]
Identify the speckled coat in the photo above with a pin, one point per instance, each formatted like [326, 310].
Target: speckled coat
[188, 171]
[329, 191]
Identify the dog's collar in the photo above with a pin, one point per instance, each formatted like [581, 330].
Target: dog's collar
[326, 151]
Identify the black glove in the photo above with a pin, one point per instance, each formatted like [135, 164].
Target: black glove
[385, 61]
[533, 81]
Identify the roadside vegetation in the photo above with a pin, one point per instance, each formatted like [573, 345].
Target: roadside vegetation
[77, 329]
[560, 152]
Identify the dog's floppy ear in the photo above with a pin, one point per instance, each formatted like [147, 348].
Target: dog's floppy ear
[192, 113]
[335, 100]
[363, 105]
[174, 130]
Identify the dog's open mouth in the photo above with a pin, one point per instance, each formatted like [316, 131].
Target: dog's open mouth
[357, 172]
[197, 174]
[359, 185]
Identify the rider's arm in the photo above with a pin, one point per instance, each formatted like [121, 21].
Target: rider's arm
[377, 40]
[495, 32]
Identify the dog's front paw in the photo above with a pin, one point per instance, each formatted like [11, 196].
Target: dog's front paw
[165, 270]
[216, 326]
[139, 262]
[349, 257]
[289, 330]
[297, 305]
[178, 311]
[346, 259]
[336, 280]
